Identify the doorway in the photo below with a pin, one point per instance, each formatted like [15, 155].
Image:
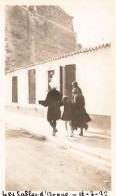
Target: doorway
[67, 76]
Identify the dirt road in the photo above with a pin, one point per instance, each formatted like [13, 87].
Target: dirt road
[36, 164]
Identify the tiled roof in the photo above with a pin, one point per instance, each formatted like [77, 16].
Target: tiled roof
[84, 50]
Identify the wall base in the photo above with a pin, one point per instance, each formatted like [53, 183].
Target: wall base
[100, 122]
[39, 112]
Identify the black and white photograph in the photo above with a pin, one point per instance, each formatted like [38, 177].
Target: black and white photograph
[58, 86]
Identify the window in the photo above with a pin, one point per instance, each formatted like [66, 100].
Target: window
[50, 76]
[32, 86]
[14, 90]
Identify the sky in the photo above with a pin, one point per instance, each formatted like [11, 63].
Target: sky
[93, 20]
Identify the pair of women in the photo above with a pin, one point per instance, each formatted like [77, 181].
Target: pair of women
[74, 112]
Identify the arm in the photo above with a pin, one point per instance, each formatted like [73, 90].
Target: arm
[45, 102]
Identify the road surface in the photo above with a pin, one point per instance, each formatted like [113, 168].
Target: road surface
[37, 164]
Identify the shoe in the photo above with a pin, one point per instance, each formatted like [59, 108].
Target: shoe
[53, 133]
[80, 134]
[55, 130]
[71, 135]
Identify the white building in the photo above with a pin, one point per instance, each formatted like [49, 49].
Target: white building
[90, 67]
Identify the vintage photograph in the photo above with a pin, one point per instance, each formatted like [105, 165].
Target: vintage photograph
[58, 94]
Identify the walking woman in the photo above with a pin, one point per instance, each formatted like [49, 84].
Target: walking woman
[80, 117]
[53, 100]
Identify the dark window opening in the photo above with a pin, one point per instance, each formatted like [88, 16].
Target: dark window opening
[32, 86]
[14, 90]
[50, 76]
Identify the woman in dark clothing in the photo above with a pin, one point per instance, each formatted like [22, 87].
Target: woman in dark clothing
[53, 100]
[80, 116]
[67, 113]
[75, 85]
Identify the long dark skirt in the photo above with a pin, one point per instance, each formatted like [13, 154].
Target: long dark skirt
[80, 118]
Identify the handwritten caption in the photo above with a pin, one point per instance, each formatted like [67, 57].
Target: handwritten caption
[47, 193]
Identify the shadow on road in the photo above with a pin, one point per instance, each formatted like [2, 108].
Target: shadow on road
[93, 141]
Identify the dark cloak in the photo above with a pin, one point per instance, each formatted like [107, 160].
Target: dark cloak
[80, 116]
[53, 100]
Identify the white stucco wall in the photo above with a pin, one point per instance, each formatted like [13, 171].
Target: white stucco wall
[22, 77]
[93, 74]
[94, 77]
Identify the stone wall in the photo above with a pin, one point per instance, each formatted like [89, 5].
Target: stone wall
[53, 13]
[30, 38]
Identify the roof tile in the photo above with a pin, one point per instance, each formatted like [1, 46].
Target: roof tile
[66, 55]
